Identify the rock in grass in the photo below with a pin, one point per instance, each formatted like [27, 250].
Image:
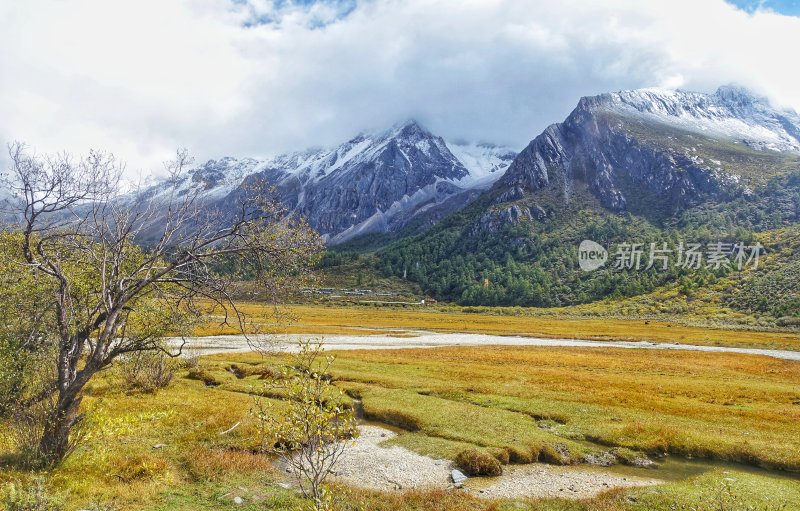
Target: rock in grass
[603, 459]
[238, 501]
[458, 478]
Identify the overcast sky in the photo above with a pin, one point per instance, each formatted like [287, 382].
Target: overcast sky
[257, 77]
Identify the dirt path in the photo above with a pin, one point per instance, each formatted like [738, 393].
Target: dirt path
[421, 339]
[368, 464]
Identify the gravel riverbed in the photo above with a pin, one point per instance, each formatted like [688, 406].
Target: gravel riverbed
[368, 464]
[422, 339]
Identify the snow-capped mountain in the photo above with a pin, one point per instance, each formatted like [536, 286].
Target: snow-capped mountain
[375, 182]
[731, 112]
[651, 151]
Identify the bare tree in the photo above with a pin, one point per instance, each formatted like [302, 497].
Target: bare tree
[124, 270]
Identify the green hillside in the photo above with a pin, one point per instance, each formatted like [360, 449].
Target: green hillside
[535, 263]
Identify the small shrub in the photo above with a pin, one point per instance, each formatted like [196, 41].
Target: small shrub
[26, 428]
[28, 402]
[312, 432]
[478, 463]
[191, 359]
[146, 371]
[204, 376]
[14, 363]
[32, 497]
[789, 321]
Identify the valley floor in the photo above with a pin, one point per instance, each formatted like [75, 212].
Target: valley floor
[720, 427]
[316, 319]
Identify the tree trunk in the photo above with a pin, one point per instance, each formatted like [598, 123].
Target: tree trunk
[55, 443]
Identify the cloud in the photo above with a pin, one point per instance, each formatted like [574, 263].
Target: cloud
[256, 77]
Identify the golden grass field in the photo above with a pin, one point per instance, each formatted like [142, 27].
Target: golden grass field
[727, 407]
[722, 406]
[365, 320]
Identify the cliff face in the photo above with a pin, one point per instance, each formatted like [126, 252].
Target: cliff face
[656, 151]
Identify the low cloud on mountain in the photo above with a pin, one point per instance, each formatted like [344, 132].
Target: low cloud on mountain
[259, 77]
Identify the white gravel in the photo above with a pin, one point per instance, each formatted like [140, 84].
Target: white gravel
[546, 481]
[421, 339]
[369, 465]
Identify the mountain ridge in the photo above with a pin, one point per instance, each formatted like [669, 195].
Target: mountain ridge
[374, 182]
[627, 142]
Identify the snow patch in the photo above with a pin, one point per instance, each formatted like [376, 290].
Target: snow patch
[486, 163]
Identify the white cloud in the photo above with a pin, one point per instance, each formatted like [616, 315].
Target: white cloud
[142, 78]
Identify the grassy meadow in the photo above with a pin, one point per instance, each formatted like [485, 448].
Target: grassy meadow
[170, 451]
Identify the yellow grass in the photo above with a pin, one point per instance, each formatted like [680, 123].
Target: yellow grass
[721, 405]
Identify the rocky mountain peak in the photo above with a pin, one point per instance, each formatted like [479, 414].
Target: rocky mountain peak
[411, 129]
[732, 112]
[656, 151]
[375, 182]
[739, 96]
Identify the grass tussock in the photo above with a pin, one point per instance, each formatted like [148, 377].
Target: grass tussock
[393, 417]
[522, 455]
[555, 453]
[218, 464]
[140, 466]
[628, 456]
[478, 463]
[263, 372]
[208, 379]
[502, 455]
